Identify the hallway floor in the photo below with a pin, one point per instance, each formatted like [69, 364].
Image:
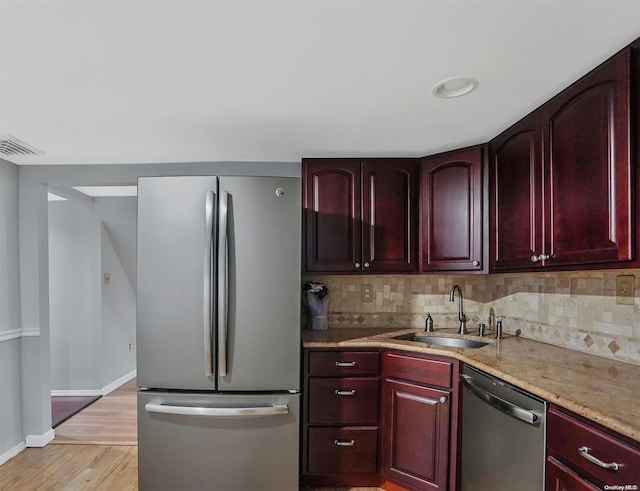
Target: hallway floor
[111, 420]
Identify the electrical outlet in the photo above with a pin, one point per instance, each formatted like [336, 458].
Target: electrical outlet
[130, 346]
[107, 278]
[625, 289]
[366, 293]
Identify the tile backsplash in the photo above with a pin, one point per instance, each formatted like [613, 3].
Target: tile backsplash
[577, 310]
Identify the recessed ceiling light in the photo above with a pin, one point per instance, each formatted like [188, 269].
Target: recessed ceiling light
[107, 191]
[454, 87]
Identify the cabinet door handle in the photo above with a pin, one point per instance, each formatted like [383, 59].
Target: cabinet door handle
[584, 453]
[366, 265]
[476, 263]
[443, 399]
[541, 257]
[357, 265]
[348, 364]
[351, 392]
[339, 443]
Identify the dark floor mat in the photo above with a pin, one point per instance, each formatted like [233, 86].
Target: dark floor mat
[63, 407]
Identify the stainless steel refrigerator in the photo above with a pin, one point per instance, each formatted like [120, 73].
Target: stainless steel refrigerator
[218, 345]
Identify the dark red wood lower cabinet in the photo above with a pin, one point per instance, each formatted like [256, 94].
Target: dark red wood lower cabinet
[583, 455]
[343, 450]
[416, 435]
[561, 478]
[340, 431]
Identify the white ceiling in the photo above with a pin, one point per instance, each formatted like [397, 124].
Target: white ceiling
[147, 81]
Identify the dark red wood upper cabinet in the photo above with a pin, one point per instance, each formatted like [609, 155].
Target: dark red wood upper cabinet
[389, 215]
[332, 221]
[562, 178]
[587, 132]
[452, 211]
[360, 215]
[516, 195]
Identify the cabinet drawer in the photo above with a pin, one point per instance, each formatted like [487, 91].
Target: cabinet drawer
[343, 401]
[567, 435]
[343, 363]
[429, 372]
[342, 450]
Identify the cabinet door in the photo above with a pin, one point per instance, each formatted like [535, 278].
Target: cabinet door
[516, 195]
[451, 224]
[561, 478]
[416, 435]
[389, 215]
[588, 202]
[332, 215]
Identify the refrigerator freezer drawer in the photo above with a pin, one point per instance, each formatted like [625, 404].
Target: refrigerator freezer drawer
[218, 442]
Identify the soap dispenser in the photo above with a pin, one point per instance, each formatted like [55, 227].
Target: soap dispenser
[499, 327]
[428, 323]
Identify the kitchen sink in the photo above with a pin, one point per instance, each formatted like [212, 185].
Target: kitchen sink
[441, 340]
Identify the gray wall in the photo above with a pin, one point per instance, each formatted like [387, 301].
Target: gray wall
[74, 296]
[119, 218]
[34, 257]
[91, 324]
[118, 313]
[11, 423]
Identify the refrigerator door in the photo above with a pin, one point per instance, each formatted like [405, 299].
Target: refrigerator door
[258, 316]
[218, 442]
[176, 232]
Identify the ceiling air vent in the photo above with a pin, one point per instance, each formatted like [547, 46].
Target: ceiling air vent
[10, 145]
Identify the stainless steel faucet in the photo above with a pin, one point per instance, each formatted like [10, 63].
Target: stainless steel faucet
[461, 317]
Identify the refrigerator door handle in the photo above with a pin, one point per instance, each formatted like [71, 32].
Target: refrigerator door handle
[223, 283]
[209, 214]
[225, 412]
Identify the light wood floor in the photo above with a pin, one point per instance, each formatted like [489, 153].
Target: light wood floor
[71, 468]
[95, 449]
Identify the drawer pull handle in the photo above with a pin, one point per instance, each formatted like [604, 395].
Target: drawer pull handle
[584, 452]
[351, 392]
[350, 443]
[348, 364]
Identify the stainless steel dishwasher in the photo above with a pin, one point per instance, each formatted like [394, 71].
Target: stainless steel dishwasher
[503, 435]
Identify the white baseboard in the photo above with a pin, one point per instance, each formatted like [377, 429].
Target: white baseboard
[12, 452]
[40, 440]
[107, 389]
[117, 383]
[76, 393]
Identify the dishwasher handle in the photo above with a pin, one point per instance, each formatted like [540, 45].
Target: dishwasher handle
[506, 407]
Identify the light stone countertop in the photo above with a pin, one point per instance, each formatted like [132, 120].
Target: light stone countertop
[602, 390]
